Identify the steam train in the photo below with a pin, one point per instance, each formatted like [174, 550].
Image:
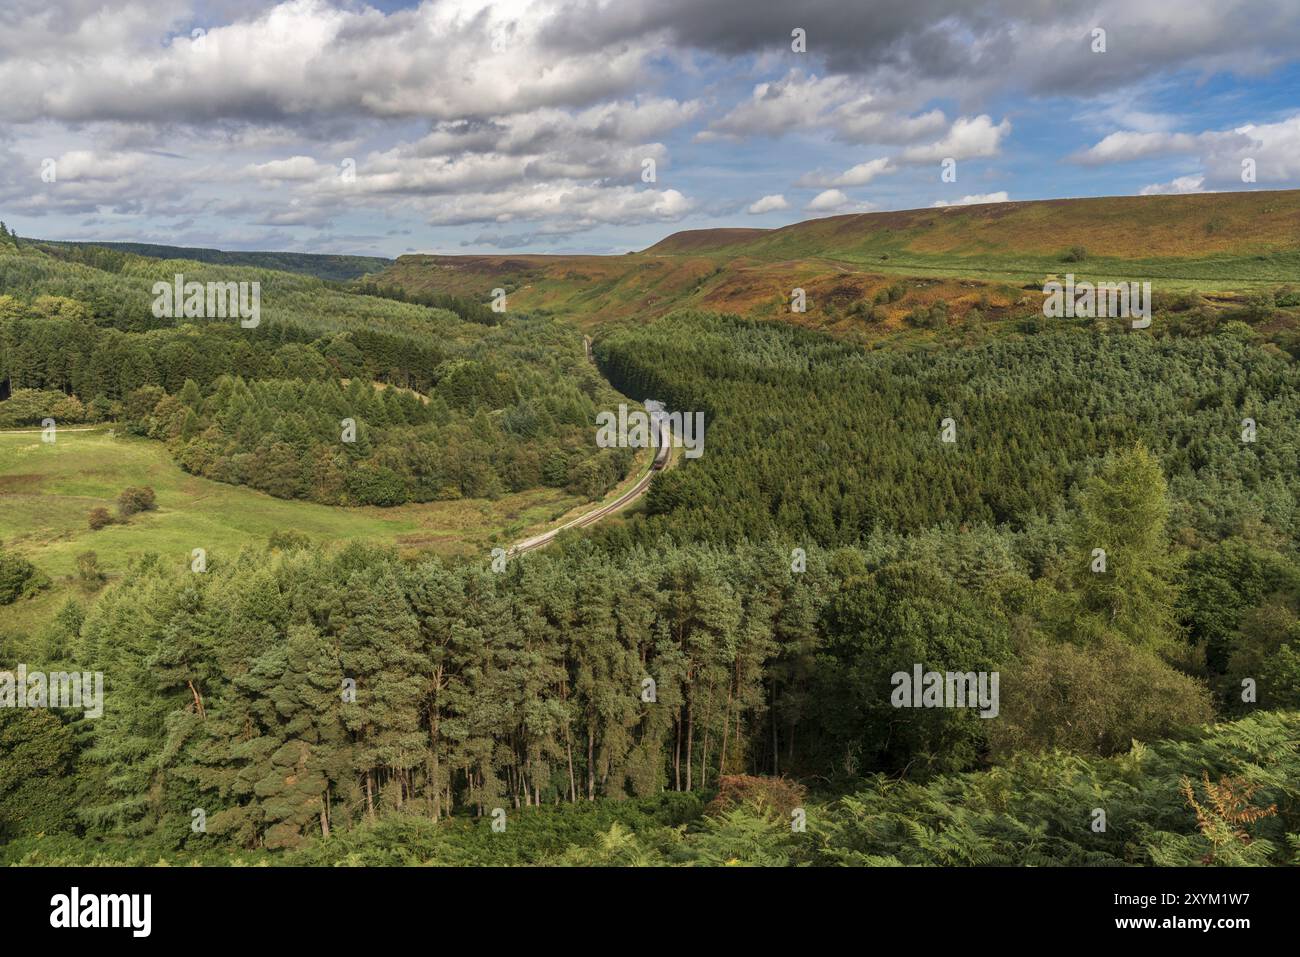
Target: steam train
[665, 448]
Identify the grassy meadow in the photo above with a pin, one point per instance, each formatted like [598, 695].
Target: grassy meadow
[47, 490]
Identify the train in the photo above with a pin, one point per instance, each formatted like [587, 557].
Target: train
[665, 448]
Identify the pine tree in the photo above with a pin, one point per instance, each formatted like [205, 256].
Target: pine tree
[1123, 511]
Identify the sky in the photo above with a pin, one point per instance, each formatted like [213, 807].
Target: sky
[601, 126]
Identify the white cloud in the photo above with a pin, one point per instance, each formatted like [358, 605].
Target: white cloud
[576, 206]
[1183, 184]
[968, 138]
[1124, 145]
[89, 165]
[444, 60]
[834, 201]
[853, 112]
[975, 199]
[827, 201]
[859, 175]
[855, 125]
[1274, 149]
[295, 168]
[768, 204]
[796, 101]
[956, 48]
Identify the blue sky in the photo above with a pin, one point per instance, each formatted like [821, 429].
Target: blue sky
[464, 126]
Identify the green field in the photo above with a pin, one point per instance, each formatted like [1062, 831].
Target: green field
[46, 491]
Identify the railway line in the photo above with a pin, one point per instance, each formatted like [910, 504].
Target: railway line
[662, 460]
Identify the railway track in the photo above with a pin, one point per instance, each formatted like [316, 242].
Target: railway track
[662, 460]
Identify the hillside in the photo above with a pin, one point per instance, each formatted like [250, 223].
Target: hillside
[337, 268]
[493, 418]
[1211, 243]
[698, 240]
[1194, 227]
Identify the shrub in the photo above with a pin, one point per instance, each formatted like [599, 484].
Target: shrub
[862, 310]
[135, 498]
[88, 571]
[68, 409]
[935, 317]
[287, 540]
[1285, 298]
[1260, 306]
[775, 796]
[138, 406]
[1075, 254]
[1094, 699]
[98, 518]
[30, 407]
[19, 578]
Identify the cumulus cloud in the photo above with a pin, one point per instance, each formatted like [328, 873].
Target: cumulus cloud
[308, 57]
[859, 175]
[834, 201]
[297, 88]
[830, 199]
[1024, 45]
[975, 199]
[848, 107]
[767, 204]
[295, 168]
[91, 165]
[576, 205]
[1124, 145]
[1182, 184]
[967, 138]
[796, 101]
[857, 124]
[1272, 149]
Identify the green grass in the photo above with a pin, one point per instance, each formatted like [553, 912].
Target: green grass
[47, 490]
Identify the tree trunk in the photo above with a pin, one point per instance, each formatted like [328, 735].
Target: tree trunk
[677, 756]
[726, 727]
[775, 743]
[435, 720]
[568, 747]
[690, 739]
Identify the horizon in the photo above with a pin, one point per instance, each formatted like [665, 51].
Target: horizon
[662, 239]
